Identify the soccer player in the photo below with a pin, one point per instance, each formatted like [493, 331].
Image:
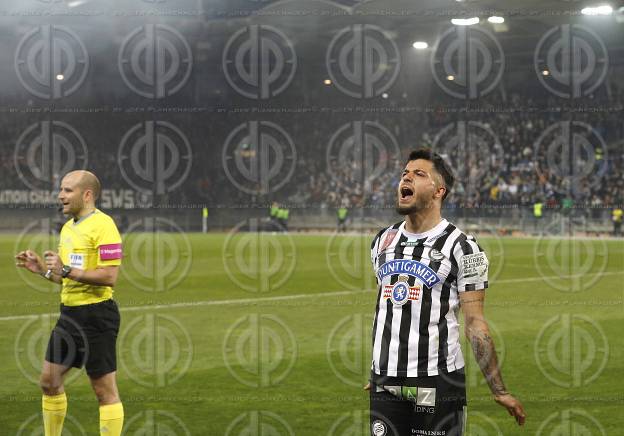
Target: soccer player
[86, 267]
[427, 269]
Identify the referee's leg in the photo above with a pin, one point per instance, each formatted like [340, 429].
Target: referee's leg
[54, 400]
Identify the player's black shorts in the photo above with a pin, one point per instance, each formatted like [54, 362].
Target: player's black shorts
[86, 336]
[422, 406]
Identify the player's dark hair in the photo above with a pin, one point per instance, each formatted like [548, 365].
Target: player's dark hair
[439, 164]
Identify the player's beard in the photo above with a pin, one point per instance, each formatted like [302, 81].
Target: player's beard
[419, 204]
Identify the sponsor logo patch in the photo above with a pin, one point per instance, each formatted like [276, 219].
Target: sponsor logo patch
[475, 268]
[379, 428]
[411, 268]
[401, 292]
[388, 239]
[76, 260]
[110, 252]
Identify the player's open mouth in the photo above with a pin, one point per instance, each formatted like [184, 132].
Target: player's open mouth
[406, 193]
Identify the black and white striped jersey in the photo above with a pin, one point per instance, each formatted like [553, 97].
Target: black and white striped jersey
[416, 327]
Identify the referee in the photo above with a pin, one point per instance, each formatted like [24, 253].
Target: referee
[427, 269]
[86, 267]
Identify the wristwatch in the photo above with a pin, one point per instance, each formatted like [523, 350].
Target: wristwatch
[65, 271]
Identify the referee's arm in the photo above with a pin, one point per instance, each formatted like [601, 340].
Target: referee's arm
[478, 334]
[101, 276]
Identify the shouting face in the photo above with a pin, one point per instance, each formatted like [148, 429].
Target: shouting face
[419, 187]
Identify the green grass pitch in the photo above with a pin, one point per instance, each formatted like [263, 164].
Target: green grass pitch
[270, 334]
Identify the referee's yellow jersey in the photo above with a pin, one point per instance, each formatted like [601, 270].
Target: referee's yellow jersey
[86, 244]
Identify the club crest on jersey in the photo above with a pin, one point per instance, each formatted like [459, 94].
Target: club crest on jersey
[409, 267]
[401, 291]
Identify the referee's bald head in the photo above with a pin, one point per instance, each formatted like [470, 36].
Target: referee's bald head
[86, 181]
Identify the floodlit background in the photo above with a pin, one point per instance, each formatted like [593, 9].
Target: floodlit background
[199, 115]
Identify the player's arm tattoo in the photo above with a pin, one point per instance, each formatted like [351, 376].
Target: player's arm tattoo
[485, 354]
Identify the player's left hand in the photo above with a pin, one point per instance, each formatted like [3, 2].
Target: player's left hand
[53, 262]
[513, 406]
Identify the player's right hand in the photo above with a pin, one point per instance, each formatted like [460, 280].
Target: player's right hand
[30, 260]
[513, 406]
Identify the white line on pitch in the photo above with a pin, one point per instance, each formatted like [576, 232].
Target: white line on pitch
[286, 297]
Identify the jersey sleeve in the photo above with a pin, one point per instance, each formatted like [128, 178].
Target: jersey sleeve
[472, 264]
[108, 244]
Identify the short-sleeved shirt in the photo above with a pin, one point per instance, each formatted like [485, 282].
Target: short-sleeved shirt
[420, 276]
[91, 242]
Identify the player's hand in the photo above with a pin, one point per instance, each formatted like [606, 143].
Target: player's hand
[53, 262]
[513, 406]
[30, 260]
[367, 387]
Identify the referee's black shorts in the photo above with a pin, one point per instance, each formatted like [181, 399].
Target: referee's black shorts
[86, 336]
[421, 406]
